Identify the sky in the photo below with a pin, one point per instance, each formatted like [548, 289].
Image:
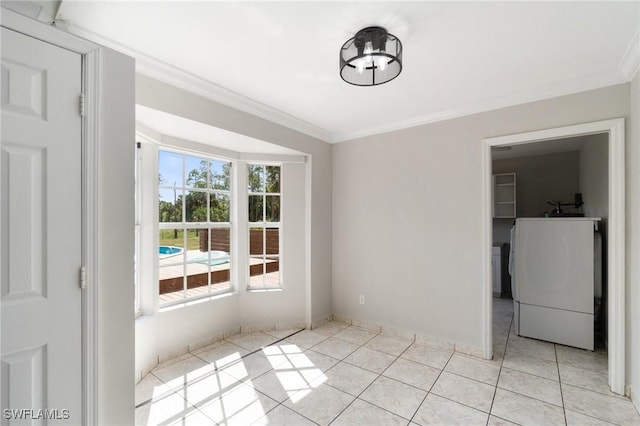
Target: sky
[170, 167]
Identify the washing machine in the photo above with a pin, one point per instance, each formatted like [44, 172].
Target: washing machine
[555, 269]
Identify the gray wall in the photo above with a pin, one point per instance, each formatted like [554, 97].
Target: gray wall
[594, 175]
[633, 242]
[116, 240]
[407, 229]
[538, 178]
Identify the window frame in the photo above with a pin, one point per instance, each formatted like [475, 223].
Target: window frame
[186, 226]
[264, 225]
[137, 229]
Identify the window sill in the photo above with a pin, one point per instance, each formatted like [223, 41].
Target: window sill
[195, 301]
[263, 289]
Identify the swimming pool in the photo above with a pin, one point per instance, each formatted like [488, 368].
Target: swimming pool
[166, 251]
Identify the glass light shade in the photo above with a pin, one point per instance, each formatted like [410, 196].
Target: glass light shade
[370, 58]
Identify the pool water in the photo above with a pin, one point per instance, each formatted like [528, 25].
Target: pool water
[169, 250]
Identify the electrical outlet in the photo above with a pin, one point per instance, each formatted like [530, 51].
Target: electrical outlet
[361, 299]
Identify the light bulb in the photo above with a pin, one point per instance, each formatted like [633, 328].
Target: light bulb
[382, 64]
[368, 48]
[360, 66]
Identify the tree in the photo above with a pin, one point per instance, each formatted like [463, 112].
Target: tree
[264, 179]
[170, 211]
[206, 178]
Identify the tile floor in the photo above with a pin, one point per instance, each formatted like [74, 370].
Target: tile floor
[343, 375]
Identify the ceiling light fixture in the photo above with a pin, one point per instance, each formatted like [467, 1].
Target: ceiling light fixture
[370, 58]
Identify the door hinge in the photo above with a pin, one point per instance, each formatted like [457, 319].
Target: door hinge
[81, 104]
[83, 278]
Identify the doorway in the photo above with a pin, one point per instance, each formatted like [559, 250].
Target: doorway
[614, 246]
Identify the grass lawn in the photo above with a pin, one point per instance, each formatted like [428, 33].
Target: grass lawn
[167, 239]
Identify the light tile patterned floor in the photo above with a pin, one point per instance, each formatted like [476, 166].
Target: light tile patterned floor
[343, 375]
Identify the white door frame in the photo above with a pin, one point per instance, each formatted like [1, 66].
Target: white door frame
[91, 54]
[616, 234]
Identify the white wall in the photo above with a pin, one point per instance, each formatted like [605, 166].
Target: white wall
[116, 240]
[407, 232]
[633, 242]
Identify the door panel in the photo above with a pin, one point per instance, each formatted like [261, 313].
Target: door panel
[41, 219]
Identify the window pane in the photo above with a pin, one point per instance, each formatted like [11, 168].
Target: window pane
[272, 179]
[169, 169]
[272, 258]
[220, 173]
[273, 241]
[196, 173]
[197, 267]
[219, 207]
[256, 272]
[220, 259]
[196, 206]
[256, 178]
[171, 283]
[256, 242]
[193, 239]
[256, 257]
[255, 208]
[170, 246]
[272, 271]
[170, 205]
[264, 257]
[273, 208]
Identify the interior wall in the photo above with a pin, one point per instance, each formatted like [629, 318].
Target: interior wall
[419, 266]
[633, 242]
[594, 175]
[116, 240]
[538, 178]
[164, 97]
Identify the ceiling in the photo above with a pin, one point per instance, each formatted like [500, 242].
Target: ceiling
[279, 60]
[183, 128]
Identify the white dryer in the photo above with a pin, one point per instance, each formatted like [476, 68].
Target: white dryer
[554, 279]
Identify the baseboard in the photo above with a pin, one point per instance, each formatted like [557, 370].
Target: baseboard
[272, 327]
[174, 354]
[317, 323]
[434, 342]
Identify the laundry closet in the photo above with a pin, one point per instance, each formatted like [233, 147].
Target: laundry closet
[550, 209]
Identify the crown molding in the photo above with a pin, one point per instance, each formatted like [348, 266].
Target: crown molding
[161, 71]
[630, 62]
[563, 89]
[156, 69]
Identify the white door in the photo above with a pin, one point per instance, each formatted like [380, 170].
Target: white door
[41, 232]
